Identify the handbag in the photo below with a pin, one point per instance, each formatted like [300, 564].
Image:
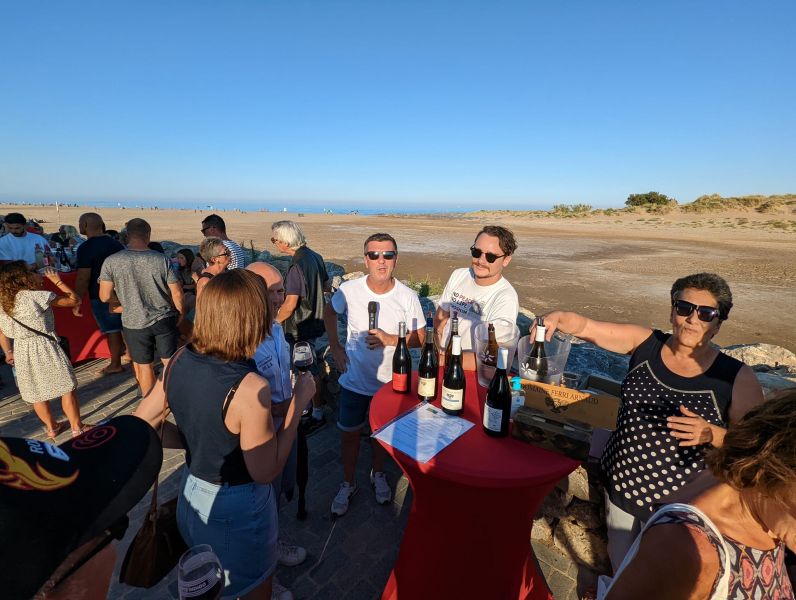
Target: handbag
[604, 582]
[158, 545]
[63, 342]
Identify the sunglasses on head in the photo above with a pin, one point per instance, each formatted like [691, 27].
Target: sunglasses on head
[684, 308]
[490, 258]
[387, 254]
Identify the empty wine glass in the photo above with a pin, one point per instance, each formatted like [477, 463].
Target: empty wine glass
[199, 574]
[303, 356]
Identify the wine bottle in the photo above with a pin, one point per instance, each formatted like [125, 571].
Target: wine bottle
[497, 407]
[401, 363]
[535, 367]
[453, 384]
[489, 357]
[427, 369]
[454, 331]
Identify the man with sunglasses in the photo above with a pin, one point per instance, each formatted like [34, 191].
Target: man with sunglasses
[678, 399]
[214, 226]
[479, 293]
[366, 360]
[62, 507]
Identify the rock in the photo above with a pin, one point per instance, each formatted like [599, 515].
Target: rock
[585, 514]
[579, 485]
[772, 383]
[542, 531]
[334, 270]
[353, 275]
[554, 505]
[584, 546]
[761, 354]
[337, 280]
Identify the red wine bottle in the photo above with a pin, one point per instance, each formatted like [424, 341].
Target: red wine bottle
[497, 407]
[427, 369]
[535, 367]
[401, 363]
[453, 384]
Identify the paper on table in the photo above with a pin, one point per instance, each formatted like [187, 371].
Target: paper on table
[422, 431]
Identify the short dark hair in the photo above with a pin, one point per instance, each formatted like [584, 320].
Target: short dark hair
[138, 228]
[710, 282]
[16, 219]
[157, 247]
[506, 239]
[381, 237]
[214, 221]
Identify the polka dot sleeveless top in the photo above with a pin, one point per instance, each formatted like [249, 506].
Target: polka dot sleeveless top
[642, 461]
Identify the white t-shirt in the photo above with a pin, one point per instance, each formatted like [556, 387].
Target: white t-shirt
[477, 303]
[21, 248]
[369, 369]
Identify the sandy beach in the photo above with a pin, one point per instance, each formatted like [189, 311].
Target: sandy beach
[617, 267]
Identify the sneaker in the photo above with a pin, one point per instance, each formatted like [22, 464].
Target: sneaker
[381, 487]
[312, 426]
[279, 591]
[340, 502]
[289, 555]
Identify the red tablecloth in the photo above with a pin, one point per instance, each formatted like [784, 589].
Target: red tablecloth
[469, 529]
[85, 339]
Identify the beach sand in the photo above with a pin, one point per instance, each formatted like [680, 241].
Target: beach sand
[616, 268]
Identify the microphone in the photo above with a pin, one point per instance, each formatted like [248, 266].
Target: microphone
[372, 307]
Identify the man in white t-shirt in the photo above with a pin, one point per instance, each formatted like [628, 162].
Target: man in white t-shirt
[366, 360]
[480, 293]
[19, 244]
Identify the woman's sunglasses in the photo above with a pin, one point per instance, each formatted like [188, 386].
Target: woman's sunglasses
[490, 258]
[387, 254]
[684, 308]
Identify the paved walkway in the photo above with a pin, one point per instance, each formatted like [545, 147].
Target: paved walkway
[349, 558]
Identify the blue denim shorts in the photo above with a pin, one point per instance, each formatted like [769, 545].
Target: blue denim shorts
[239, 522]
[353, 410]
[108, 322]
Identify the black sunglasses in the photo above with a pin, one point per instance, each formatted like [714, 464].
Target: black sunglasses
[490, 258]
[684, 308]
[387, 254]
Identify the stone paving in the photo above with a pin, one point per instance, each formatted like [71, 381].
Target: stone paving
[350, 557]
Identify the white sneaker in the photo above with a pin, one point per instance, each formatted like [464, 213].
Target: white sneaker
[289, 555]
[280, 592]
[340, 502]
[381, 487]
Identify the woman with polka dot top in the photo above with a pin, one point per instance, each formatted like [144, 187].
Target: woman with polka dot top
[678, 398]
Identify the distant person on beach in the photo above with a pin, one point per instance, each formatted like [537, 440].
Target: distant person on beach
[301, 314]
[214, 226]
[91, 254]
[43, 370]
[217, 258]
[223, 414]
[479, 293]
[273, 361]
[366, 360]
[20, 244]
[151, 298]
[678, 399]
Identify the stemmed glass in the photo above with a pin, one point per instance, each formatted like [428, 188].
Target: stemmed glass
[303, 356]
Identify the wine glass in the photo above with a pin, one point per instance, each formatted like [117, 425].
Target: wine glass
[303, 356]
[199, 574]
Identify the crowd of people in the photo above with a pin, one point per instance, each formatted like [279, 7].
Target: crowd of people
[693, 427]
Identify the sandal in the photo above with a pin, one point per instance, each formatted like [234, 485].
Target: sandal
[53, 433]
[83, 428]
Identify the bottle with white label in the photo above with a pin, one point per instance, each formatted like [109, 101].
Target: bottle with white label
[427, 369]
[535, 366]
[497, 407]
[453, 384]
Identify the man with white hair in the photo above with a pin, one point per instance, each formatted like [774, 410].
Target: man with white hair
[301, 314]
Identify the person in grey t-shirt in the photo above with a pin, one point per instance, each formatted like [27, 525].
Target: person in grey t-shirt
[150, 294]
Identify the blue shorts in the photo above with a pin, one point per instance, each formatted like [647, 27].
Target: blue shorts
[353, 410]
[108, 322]
[239, 522]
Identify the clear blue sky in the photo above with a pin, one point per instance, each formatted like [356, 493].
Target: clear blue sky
[439, 104]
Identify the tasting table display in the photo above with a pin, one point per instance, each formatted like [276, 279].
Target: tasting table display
[85, 339]
[469, 529]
